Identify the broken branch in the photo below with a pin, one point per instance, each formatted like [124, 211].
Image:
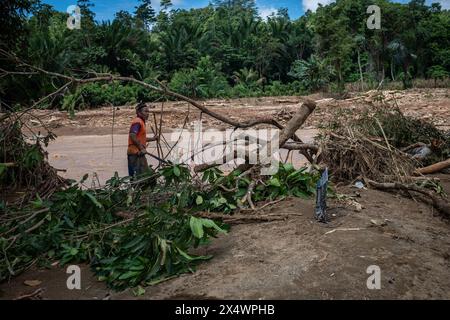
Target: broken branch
[434, 167]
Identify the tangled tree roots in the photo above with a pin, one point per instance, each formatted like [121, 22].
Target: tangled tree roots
[23, 165]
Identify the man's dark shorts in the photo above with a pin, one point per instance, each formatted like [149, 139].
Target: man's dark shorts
[137, 164]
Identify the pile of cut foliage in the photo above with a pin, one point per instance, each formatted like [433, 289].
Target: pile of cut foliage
[22, 165]
[163, 222]
[368, 142]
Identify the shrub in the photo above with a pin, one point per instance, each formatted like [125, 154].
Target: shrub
[437, 72]
[277, 88]
[205, 81]
[314, 74]
[94, 95]
[242, 91]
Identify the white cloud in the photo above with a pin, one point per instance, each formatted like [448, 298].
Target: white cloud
[444, 3]
[265, 12]
[313, 4]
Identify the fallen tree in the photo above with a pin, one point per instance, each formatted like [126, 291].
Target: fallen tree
[132, 231]
[286, 132]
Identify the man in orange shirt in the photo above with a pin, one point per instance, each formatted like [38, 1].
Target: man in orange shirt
[137, 142]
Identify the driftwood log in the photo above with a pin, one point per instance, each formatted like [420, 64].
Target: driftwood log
[434, 168]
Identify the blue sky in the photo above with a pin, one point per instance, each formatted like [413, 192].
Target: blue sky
[105, 9]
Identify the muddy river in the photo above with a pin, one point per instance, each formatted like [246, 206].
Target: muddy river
[106, 154]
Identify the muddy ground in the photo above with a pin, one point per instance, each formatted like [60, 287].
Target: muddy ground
[297, 258]
[300, 259]
[428, 104]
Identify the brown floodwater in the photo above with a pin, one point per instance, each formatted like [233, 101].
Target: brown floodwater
[106, 154]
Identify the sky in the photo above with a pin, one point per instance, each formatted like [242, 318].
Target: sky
[105, 9]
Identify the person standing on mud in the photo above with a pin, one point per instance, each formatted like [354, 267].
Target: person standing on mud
[137, 142]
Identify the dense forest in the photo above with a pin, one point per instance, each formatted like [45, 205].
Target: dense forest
[223, 50]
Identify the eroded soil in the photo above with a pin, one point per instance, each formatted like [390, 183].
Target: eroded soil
[299, 258]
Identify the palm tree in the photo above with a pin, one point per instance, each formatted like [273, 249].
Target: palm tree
[313, 73]
[119, 43]
[247, 77]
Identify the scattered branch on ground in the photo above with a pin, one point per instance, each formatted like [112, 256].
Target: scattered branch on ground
[439, 203]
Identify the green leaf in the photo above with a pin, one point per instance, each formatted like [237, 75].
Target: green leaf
[162, 279]
[274, 182]
[137, 268]
[139, 291]
[199, 200]
[185, 255]
[73, 251]
[196, 227]
[297, 176]
[133, 242]
[129, 274]
[129, 200]
[299, 193]
[93, 199]
[211, 224]
[102, 278]
[68, 221]
[164, 248]
[38, 203]
[176, 171]
[190, 258]
[2, 168]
